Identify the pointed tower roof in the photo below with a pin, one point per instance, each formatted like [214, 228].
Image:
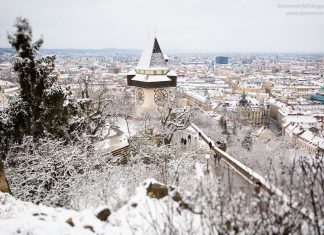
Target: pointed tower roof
[152, 56]
[152, 70]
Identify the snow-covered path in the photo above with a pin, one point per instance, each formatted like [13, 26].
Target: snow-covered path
[232, 181]
[120, 135]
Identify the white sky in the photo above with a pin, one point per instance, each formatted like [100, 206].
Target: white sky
[191, 25]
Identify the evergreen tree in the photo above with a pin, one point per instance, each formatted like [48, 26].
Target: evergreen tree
[247, 141]
[42, 106]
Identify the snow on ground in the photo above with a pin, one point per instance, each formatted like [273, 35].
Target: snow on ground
[17, 217]
[144, 213]
[105, 144]
[259, 131]
[118, 135]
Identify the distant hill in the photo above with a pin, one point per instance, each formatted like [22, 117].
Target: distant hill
[137, 52]
[90, 52]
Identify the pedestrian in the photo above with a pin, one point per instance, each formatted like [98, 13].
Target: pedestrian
[185, 142]
[215, 157]
[219, 157]
[181, 141]
[199, 135]
[189, 138]
[210, 144]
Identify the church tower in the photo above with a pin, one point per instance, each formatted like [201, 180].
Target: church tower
[152, 78]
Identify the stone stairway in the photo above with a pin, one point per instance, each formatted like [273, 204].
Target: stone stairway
[121, 154]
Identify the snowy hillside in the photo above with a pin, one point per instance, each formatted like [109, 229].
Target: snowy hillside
[144, 213]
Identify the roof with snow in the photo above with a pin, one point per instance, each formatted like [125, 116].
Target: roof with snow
[311, 138]
[299, 119]
[149, 78]
[152, 56]
[152, 70]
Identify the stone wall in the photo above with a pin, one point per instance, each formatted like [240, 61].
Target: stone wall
[4, 186]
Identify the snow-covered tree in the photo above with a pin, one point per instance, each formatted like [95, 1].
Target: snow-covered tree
[172, 120]
[166, 120]
[104, 105]
[43, 106]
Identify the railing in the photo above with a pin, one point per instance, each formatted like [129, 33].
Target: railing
[250, 175]
[246, 172]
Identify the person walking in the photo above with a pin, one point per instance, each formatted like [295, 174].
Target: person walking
[181, 141]
[199, 135]
[210, 144]
[189, 138]
[219, 157]
[185, 142]
[215, 157]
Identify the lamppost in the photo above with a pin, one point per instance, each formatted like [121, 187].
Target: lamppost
[207, 156]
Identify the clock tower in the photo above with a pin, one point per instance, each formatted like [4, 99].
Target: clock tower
[152, 78]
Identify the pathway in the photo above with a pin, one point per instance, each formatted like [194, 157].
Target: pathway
[230, 178]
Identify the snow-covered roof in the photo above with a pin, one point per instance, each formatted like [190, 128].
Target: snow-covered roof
[152, 69]
[297, 130]
[196, 96]
[254, 85]
[312, 138]
[293, 129]
[151, 78]
[299, 119]
[172, 73]
[152, 56]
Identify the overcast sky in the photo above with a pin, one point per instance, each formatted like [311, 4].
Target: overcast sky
[191, 25]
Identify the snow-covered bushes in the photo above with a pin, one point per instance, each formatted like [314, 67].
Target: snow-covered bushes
[206, 209]
[209, 208]
[46, 171]
[79, 178]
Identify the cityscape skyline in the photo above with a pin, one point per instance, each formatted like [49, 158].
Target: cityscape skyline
[156, 140]
[208, 26]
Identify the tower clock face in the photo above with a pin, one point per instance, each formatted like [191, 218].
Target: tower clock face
[140, 96]
[160, 97]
